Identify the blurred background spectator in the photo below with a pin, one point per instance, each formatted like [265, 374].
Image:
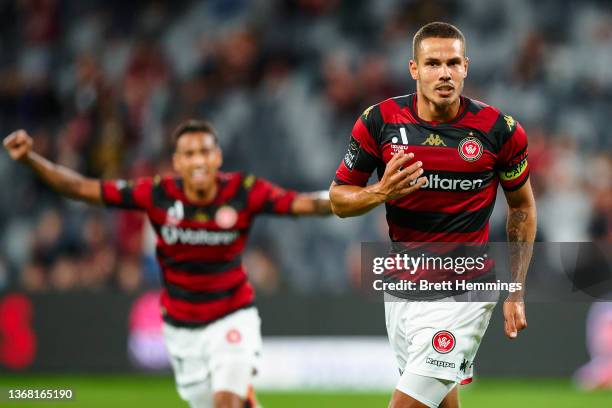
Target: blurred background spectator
[101, 84]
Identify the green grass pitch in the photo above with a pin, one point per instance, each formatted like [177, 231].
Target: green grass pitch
[158, 391]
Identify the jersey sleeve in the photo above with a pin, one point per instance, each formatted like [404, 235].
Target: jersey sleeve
[512, 164]
[128, 194]
[363, 154]
[268, 198]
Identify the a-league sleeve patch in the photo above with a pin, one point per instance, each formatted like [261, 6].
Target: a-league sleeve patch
[351, 156]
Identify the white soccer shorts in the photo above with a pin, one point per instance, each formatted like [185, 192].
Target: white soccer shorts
[437, 339]
[222, 356]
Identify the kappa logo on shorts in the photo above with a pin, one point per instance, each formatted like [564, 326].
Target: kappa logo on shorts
[233, 336]
[443, 342]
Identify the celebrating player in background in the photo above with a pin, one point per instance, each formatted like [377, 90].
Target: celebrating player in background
[440, 157]
[201, 218]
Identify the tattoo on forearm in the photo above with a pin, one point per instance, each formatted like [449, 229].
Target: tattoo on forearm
[516, 223]
[521, 244]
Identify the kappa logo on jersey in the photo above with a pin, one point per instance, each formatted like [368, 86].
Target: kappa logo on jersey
[226, 217]
[509, 121]
[233, 336]
[470, 149]
[395, 146]
[433, 140]
[175, 213]
[367, 112]
[443, 342]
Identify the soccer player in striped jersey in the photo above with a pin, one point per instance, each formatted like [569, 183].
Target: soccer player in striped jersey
[440, 157]
[202, 218]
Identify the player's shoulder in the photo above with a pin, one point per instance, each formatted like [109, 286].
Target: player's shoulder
[387, 107]
[498, 125]
[234, 179]
[490, 113]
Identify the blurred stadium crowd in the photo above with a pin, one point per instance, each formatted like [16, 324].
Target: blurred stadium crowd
[101, 84]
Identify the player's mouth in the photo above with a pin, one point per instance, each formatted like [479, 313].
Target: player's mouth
[445, 90]
[198, 175]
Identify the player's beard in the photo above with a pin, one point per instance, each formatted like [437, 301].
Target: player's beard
[441, 103]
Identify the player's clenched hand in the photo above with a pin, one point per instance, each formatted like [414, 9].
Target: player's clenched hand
[514, 318]
[18, 144]
[400, 179]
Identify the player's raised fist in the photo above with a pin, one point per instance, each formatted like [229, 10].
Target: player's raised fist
[18, 144]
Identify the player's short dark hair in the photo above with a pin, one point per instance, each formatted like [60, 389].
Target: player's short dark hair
[437, 29]
[194, 126]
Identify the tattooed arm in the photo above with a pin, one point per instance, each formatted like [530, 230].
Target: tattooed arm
[521, 228]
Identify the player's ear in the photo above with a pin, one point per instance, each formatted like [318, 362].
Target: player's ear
[466, 64]
[175, 162]
[413, 68]
[218, 157]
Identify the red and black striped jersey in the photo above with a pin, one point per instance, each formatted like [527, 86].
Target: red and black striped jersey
[199, 248]
[464, 160]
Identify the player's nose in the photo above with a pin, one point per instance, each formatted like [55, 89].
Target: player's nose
[445, 73]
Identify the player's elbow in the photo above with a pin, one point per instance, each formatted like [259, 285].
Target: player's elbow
[337, 210]
[335, 202]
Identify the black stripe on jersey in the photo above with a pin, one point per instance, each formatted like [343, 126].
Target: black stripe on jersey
[373, 121]
[199, 267]
[127, 198]
[474, 106]
[241, 198]
[425, 221]
[198, 324]
[193, 296]
[162, 198]
[366, 162]
[500, 132]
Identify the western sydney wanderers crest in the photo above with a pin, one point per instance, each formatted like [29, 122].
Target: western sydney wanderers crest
[470, 148]
[226, 217]
[233, 336]
[443, 342]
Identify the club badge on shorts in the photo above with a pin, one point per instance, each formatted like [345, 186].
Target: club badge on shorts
[443, 342]
[233, 336]
[470, 149]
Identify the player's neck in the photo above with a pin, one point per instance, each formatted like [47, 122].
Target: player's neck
[201, 197]
[430, 112]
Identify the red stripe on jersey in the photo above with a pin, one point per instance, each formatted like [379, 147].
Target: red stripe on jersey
[205, 282]
[483, 120]
[448, 202]
[402, 234]
[207, 311]
[433, 160]
[392, 113]
[353, 177]
[365, 139]
[110, 192]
